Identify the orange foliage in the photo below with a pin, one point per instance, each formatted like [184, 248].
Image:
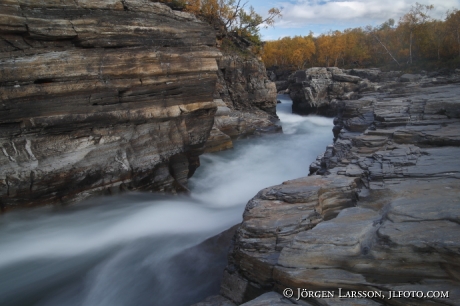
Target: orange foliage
[417, 37]
[293, 52]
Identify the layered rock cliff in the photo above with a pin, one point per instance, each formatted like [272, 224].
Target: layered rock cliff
[315, 90]
[384, 216]
[105, 96]
[101, 96]
[246, 101]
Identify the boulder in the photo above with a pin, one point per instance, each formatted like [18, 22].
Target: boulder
[313, 90]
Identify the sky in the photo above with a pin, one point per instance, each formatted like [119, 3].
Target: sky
[319, 16]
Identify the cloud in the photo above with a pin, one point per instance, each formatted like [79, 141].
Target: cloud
[301, 13]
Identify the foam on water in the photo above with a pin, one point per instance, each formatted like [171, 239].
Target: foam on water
[233, 177]
[118, 250]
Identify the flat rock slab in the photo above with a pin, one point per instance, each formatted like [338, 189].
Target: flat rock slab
[393, 225]
[346, 78]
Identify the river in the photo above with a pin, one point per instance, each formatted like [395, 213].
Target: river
[138, 248]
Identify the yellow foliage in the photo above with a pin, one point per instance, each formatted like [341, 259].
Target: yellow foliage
[416, 37]
[290, 52]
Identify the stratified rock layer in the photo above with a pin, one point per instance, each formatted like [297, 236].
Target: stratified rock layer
[246, 101]
[98, 96]
[385, 216]
[316, 90]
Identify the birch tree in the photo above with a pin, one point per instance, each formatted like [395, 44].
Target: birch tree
[418, 15]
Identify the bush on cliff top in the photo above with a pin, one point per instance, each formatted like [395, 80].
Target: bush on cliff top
[232, 15]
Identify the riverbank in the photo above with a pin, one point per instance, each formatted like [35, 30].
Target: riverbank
[382, 215]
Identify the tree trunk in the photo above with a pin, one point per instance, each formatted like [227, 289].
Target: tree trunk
[439, 47]
[388, 51]
[410, 48]
[458, 41]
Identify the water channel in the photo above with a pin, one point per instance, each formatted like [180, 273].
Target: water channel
[138, 248]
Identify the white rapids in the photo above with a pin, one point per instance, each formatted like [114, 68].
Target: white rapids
[125, 250]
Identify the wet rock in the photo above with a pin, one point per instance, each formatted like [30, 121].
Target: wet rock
[204, 261]
[218, 141]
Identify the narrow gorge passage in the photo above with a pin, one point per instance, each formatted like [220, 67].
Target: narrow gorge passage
[129, 249]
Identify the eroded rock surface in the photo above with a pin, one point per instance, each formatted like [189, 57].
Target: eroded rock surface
[316, 90]
[246, 100]
[383, 216]
[101, 96]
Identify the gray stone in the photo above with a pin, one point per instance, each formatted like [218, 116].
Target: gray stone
[409, 77]
[346, 78]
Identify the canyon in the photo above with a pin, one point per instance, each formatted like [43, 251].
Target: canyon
[101, 97]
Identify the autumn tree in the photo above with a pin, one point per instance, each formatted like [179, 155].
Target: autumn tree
[416, 36]
[432, 39]
[453, 26]
[247, 23]
[301, 50]
[234, 15]
[324, 45]
[418, 15]
[378, 33]
[293, 52]
[356, 46]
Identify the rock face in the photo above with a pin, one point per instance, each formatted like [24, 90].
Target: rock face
[101, 96]
[374, 74]
[385, 216]
[280, 77]
[246, 101]
[316, 90]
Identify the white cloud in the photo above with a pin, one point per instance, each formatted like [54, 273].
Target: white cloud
[299, 14]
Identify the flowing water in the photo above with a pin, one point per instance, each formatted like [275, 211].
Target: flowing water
[138, 249]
